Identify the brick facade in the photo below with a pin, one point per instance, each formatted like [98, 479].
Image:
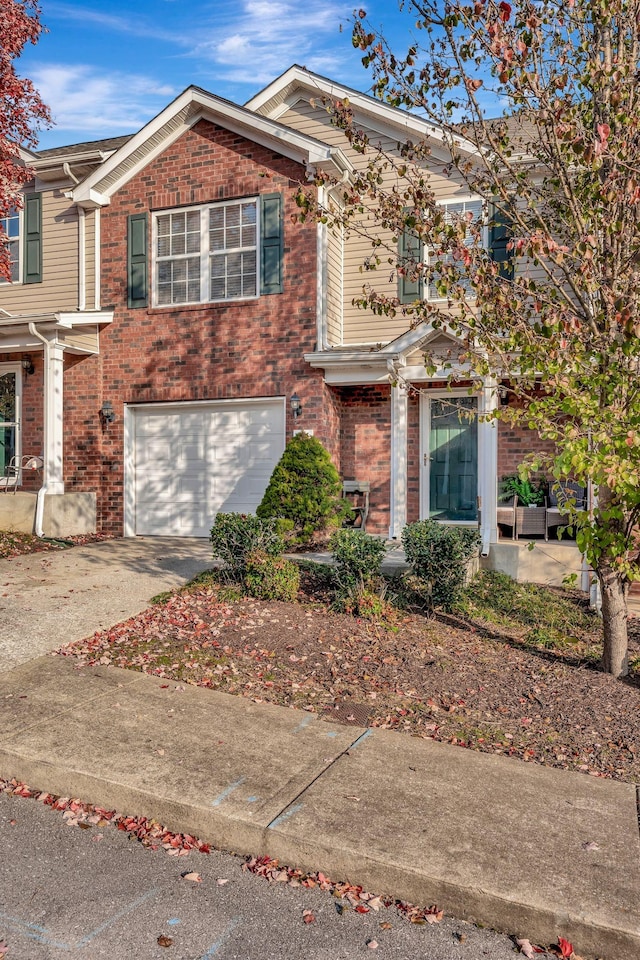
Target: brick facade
[242, 349]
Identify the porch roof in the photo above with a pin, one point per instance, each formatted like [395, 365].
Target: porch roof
[76, 331]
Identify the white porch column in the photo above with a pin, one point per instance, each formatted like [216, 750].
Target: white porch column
[399, 439]
[53, 416]
[488, 465]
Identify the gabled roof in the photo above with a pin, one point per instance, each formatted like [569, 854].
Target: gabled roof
[191, 106]
[275, 99]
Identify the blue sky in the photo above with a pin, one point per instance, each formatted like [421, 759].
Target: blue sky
[105, 70]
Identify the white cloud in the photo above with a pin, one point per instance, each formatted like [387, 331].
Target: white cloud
[264, 37]
[84, 99]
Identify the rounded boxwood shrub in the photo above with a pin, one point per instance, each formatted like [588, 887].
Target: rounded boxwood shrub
[271, 578]
[357, 559]
[439, 555]
[234, 536]
[305, 488]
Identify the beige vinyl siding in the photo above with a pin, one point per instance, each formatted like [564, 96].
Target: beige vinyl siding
[362, 326]
[59, 287]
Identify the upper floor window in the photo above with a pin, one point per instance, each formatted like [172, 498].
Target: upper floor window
[494, 237]
[11, 237]
[455, 210]
[208, 253]
[22, 233]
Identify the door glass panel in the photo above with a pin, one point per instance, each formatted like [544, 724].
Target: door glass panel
[453, 450]
[8, 420]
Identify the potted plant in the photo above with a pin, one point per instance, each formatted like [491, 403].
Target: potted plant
[529, 493]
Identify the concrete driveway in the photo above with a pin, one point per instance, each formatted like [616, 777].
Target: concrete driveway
[47, 599]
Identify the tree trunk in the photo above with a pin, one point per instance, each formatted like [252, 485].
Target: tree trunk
[614, 622]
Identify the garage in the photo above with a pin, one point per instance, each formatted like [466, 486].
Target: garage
[190, 461]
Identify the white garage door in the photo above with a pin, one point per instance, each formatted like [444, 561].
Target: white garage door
[193, 460]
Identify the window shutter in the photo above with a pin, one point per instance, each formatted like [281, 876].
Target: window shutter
[410, 248]
[271, 243]
[500, 234]
[32, 272]
[137, 256]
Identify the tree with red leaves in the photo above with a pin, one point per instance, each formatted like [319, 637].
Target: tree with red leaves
[22, 112]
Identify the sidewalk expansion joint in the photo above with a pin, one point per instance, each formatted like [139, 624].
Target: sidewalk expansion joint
[293, 806]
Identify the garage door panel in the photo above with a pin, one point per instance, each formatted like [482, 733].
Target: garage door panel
[193, 463]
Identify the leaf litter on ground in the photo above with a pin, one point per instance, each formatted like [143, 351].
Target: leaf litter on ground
[499, 687]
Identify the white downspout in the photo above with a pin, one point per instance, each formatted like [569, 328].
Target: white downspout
[82, 259]
[42, 492]
[96, 241]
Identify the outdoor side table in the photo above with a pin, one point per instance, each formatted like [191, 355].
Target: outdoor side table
[531, 522]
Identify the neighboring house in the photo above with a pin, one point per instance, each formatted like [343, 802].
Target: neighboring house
[164, 280]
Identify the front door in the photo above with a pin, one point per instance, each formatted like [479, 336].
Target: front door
[9, 416]
[450, 458]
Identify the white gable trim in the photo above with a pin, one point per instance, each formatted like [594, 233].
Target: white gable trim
[179, 116]
[277, 97]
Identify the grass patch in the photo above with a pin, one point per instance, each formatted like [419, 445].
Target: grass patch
[496, 598]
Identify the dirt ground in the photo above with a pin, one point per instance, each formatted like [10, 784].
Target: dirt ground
[522, 690]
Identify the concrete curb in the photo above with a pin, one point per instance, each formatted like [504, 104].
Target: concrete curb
[517, 847]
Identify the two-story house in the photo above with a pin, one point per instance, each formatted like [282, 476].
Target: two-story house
[169, 303]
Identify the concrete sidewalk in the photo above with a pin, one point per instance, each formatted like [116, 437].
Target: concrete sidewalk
[518, 847]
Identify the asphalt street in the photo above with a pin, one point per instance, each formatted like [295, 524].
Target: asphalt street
[67, 892]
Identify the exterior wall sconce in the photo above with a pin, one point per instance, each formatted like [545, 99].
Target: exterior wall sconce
[504, 395]
[107, 413]
[296, 406]
[27, 366]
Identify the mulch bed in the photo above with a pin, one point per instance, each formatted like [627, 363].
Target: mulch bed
[453, 678]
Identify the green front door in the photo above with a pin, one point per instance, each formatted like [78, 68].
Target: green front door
[452, 458]
[8, 420]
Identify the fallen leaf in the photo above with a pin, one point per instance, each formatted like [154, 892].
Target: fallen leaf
[528, 949]
[385, 925]
[191, 875]
[164, 941]
[308, 916]
[566, 948]
[590, 845]
[372, 944]
[221, 881]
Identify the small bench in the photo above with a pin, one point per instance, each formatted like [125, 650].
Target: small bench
[357, 492]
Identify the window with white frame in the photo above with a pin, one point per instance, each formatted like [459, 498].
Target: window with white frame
[471, 209]
[11, 238]
[207, 253]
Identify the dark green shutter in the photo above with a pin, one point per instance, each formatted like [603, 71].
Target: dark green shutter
[410, 250]
[32, 272]
[271, 243]
[500, 233]
[137, 257]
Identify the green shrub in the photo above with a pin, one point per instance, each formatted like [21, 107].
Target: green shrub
[305, 488]
[439, 555]
[356, 572]
[271, 578]
[357, 558]
[234, 536]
